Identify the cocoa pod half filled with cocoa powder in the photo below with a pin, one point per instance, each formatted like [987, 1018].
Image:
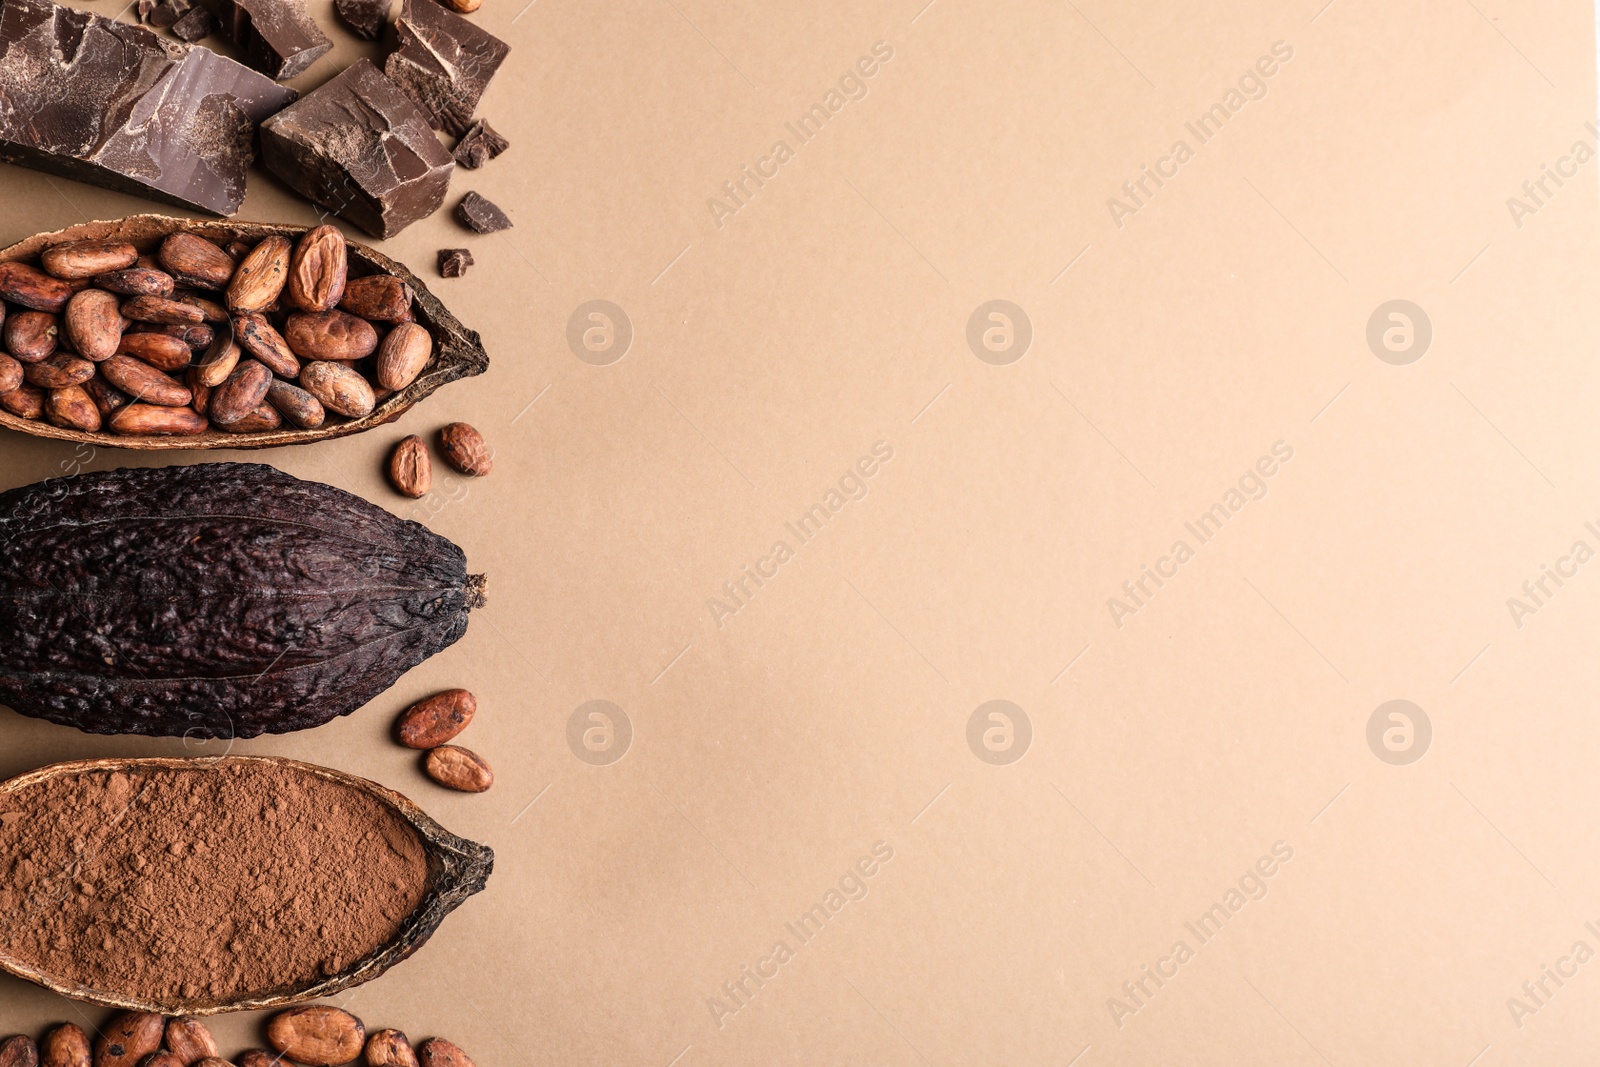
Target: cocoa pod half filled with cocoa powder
[215, 600]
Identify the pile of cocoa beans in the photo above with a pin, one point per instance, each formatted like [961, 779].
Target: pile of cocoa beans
[316, 1036]
[242, 338]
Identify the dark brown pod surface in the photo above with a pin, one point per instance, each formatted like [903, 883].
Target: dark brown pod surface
[214, 600]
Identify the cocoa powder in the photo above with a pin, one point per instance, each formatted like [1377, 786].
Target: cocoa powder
[169, 883]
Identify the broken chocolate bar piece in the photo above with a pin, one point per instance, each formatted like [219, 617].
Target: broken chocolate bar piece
[366, 17]
[358, 146]
[101, 101]
[453, 262]
[195, 24]
[480, 215]
[166, 14]
[479, 145]
[277, 37]
[444, 63]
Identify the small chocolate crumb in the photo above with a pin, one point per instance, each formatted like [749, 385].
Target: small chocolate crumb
[479, 145]
[194, 25]
[453, 262]
[366, 17]
[481, 215]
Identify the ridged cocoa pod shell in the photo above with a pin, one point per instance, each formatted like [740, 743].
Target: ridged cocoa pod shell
[457, 869]
[216, 600]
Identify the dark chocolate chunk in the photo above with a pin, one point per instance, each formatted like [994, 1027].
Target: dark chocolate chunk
[101, 101]
[144, 9]
[366, 17]
[481, 215]
[479, 145]
[358, 146]
[195, 24]
[444, 63]
[167, 13]
[277, 37]
[453, 262]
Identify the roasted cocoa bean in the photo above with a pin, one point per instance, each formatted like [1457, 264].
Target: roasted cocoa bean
[379, 297]
[318, 272]
[195, 261]
[190, 1041]
[240, 394]
[25, 402]
[32, 288]
[150, 420]
[402, 355]
[296, 405]
[137, 281]
[58, 372]
[217, 363]
[162, 351]
[128, 1038]
[463, 447]
[389, 1048]
[410, 468]
[65, 1046]
[258, 337]
[32, 335]
[260, 276]
[440, 718]
[330, 335]
[94, 323]
[318, 1036]
[460, 769]
[143, 382]
[85, 259]
[73, 408]
[340, 388]
[160, 309]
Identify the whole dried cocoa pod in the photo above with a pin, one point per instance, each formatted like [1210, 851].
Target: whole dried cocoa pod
[105, 398]
[10, 374]
[94, 324]
[318, 273]
[258, 337]
[19, 1051]
[32, 288]
[190, 1041]
[296, 405]
[463, 770]
[218, 362]
[152, 420]
[440, 718]
[260, 419]
[64, 1046]
[73, 408]
[143, 382]
[389, 1048]
[340, 388]
[410, 468]
[402, 355]
[304, 604]
[85, 259]
[128, 1038]
[318, 1036]
[162, 351]
[160, 309]
[464, 449]
[195, 261]
[379, 297]
[137, 281]
[31, 335]
[25, 402]
[239, 395]
[58, 372]
[437, 1052]
[260, 276]
[330, 335]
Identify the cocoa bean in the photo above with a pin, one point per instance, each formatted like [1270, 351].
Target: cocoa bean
[210, 309]
[257, 1057]
[295, 404]
[94, 323]
[437, 1052]
[390, 1048]
[32, 288]
[260, 276]
[64, 1046]
[317, 1036]
[380, 297]
[19, 1051]
[160, 350]
[104, 396]
[201, 392]
[340, 388]
[432, 722]
[464, 449]
[10, 374]
[403, 354]
[85, 259]
[32, 335]
[160, 309]
[318, 272]
[160, 1059]
[190, 1041]
[73, 408]
[258, 337]
[143, 382]
[25, 402]
[218, 362]
[195, 261]
[150, 420]
[410, 469]
[330, 335]
[58, 372]
[239, 394]
[136, 281]
[260, 419]
[128, 1038]
[465, 771]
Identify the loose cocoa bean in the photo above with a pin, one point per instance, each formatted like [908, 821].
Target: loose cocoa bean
[437, 1052]
[137, 281]
[73, 408]
[10, 374]
[258, 337]
[295, 404]
[19, 1051]
[464, 449]
[25, 402]
[160, 350]
[403, 354]
[239, 394]
[195, 261]
[150, 420]
[160, 1059]
[218, 362]
[260, 419]
[143, 382]
[64, 1046]
[85, 259]
[463, 770]
[410, 468]
[390, 1048]
[58, 372]
[380, 297]
[128, 1038]
[317, 1036]
[318, 272]
[330, 335]
[94, 323]
[260, 276]
[32, 335]
[160, 309]
[440, 718]
[213, 311]
[340, 388]
[190, 1041]
[32, 288]
[105, 398]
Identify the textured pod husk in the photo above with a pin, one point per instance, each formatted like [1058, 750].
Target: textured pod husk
[458, 351]
[457, 869]
[214, 600]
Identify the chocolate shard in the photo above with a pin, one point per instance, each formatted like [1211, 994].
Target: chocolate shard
[101, 101]
[479, 145]
[359, 147]
[480, 215]
[444, 63]
[166, 14]
[366, 17]
[195, 24]
[277, 37]
[453, 262]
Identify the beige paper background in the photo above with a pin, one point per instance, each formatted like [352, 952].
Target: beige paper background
[830, 713]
